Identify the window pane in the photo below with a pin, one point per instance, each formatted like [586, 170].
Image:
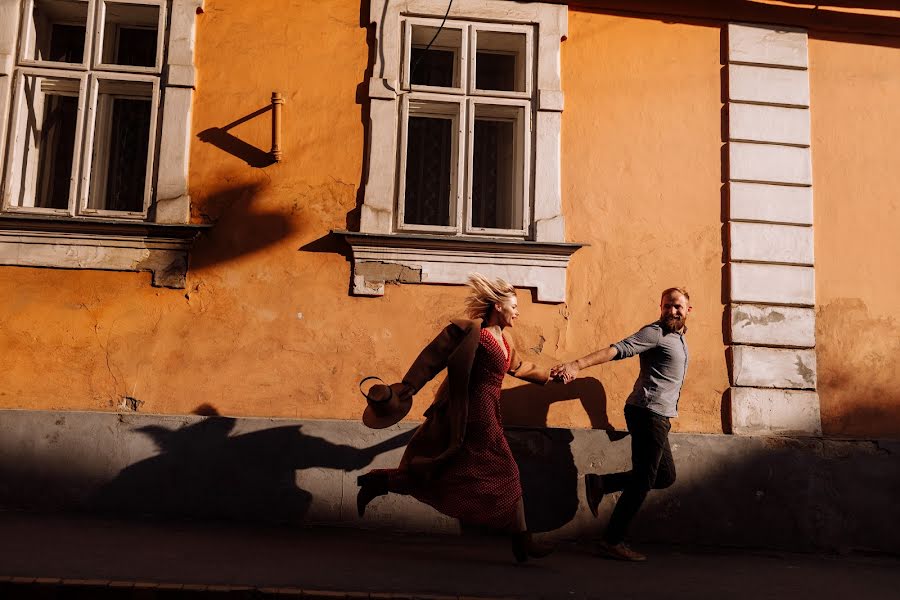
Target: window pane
[121, 142]
[46, 131]
[130, 34]
[429, 148]
[439, 65]
[57, 30]
[493, 174]
[500, 61]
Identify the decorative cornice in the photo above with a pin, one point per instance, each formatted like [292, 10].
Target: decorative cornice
[415, 258]
[103, 244]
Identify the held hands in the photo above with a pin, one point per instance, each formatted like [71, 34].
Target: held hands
[564, 373]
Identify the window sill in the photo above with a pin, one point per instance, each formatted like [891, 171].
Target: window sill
[103, 244]
[380, 259]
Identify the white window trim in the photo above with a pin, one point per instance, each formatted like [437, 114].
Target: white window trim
[99, 65]
[378, 218]
[458, 150]
[160, 243]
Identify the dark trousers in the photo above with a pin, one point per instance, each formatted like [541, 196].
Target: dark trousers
[652, 467]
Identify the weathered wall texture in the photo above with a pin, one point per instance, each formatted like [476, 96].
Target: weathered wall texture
[855, 90]
[642, 184]
[266, 326]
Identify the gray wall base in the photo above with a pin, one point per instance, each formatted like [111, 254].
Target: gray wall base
[789, 493]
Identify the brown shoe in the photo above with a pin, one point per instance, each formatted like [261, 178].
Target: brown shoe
[593, 492]
[619, 552]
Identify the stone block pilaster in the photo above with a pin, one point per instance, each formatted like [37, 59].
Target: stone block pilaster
[770, 249]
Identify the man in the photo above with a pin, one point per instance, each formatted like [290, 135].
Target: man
[653, 401]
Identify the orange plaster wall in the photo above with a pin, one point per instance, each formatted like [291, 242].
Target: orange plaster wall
[855, 91]
[266, 326]
[642, 184]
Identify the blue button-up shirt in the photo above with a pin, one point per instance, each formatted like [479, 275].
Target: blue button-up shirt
[664, 362]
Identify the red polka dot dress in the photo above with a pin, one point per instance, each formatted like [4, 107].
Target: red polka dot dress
[480, 484]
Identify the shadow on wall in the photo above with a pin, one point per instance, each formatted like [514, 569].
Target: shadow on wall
[241, 228]
[546, 462]
[225, 141]
[528, 405]
[203, 471]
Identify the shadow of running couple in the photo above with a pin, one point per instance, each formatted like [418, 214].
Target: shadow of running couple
[206, 470]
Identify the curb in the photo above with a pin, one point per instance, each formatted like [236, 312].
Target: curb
[48, 587]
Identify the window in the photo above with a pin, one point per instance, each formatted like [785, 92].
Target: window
[465, 128]
[463, 170]
[85, 104]
[95, 107]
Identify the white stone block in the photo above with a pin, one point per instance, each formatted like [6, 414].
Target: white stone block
[773, 325]
[767, 45]
[757, 411]
[774, 367]
[774, 124]
[173, 201]
[768, 85]
[764, 242]
[770, 203]
[769, 163]
[772, 284]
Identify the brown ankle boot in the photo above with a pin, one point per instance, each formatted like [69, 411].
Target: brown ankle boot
[371, 485]
[525, 546]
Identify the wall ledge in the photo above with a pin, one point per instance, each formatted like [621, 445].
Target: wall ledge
[101, 244]
[380, 259]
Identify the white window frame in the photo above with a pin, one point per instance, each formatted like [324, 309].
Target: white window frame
[528, 58]
[13, 176]
[159, 238]
[467, 96]
[521, 179]
[535, 257]
[420, 103]
[460, 56]
[99, 65]
[27, 40]
[89, 148]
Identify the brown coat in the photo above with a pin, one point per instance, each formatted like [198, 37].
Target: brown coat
[444, 429]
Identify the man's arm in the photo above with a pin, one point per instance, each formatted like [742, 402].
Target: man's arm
[644, 339]
[569, 371]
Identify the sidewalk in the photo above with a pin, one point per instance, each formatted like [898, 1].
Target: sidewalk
[219, 560]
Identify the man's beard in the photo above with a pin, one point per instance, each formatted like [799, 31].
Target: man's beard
[673, 323]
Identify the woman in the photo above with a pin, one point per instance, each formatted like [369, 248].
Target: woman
[459, 461]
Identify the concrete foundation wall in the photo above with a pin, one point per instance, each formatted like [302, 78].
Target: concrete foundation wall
[794, 493]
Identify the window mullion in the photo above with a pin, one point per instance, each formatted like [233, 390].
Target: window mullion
[464, 212]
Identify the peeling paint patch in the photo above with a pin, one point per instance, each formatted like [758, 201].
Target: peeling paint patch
[389, 272]
[808, 375]
[537, 349]
[130, 403]
[746, 319]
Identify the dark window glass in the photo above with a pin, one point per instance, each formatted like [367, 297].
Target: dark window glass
[127, 166]
[495, 71]
[137, 47]
[66, 43]
[492, 174]
[429, 144]
[57, 147]
[434, 67]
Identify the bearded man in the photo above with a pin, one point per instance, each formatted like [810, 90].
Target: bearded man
[651, 404]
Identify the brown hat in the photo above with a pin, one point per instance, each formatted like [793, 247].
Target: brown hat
[387, 404]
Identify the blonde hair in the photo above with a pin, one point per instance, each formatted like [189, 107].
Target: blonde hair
[677, 290]
[485, 294]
